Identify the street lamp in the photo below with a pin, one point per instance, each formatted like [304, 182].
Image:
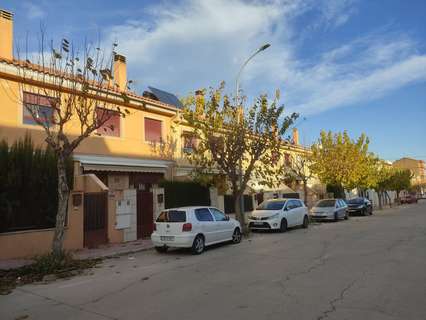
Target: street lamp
[237, 89]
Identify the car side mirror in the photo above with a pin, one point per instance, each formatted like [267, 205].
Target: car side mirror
[286, 209]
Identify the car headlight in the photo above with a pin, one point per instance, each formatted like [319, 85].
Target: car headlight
[360, 207]
[273, 216]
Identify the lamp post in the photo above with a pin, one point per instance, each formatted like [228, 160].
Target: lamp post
[237, 89]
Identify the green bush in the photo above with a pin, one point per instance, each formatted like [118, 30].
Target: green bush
[28, 186]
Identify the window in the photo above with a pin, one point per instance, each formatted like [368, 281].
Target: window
[291, 205]
[40, 105]
[296, 203]
[189, 141]
[111, 125]
[358, 201]
[203, 214]
[172, 216]
[271, 205]
[326, 203]
[153, 130]
[218, 215]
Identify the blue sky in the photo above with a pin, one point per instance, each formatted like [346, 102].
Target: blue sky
[358, 65]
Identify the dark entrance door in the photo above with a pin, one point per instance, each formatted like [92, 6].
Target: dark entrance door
[145, 211]
[95, 219]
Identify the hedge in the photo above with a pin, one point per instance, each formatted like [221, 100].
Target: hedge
[28, 186]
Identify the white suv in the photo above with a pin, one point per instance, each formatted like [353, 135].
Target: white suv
[279, 214]
[195, 228]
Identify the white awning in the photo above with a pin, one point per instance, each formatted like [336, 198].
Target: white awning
[121, 164]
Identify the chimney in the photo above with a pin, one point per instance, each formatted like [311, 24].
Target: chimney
[295, 136]
[120, 72]
[6, 34]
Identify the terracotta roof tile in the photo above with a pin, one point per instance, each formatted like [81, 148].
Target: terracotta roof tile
[39, 68]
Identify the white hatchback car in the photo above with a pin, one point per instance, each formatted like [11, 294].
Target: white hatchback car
[330, 209]
[279, 214]
[195, 228]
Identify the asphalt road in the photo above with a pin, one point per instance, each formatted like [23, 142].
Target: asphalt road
[365, 268]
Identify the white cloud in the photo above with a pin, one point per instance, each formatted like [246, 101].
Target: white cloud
[33, 11]
[199, 43]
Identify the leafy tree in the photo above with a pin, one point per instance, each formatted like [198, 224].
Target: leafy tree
[80, 91]
[228, 136]
[400, 180]
[382, 180]
[341, 161]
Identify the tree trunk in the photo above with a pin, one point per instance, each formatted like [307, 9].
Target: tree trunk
[397, 197]
[63, 194]
[388, 199]
[305, 192]
[379, 195]
[239, 214]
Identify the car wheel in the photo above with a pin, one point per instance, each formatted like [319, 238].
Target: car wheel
[283, 225]
[346, 215]
[162, 249]
[364, 212]
[371, 211]
[305, 222]
[236, 236]
[336, 216]
[198, 245]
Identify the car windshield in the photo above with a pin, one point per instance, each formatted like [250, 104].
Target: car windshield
[325, 203]
[356, 201]
[271, 205]
[172, 216]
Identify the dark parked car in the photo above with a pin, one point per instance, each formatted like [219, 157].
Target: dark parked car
[409, 198]
[360, 205]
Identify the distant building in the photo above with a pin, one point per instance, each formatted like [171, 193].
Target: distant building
[417, 168]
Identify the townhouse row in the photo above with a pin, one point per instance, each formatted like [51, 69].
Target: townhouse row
[116, 192]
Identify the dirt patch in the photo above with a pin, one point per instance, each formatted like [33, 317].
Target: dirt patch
[45, 269]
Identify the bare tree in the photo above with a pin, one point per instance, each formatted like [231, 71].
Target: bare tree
[298, 169]
[227, 137]
[70, 95]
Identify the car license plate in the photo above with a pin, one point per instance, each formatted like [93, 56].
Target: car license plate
[258, 223]
[167, 238]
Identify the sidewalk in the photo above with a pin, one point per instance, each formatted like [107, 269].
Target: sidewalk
[104, 251]
[115, 249]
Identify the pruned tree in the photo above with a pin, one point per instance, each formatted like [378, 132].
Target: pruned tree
[400, 180]
[382, 181]
[298, 169]
[71, 95]
[229, 136]
[339, 160]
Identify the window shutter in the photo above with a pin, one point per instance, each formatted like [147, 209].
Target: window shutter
[153, 130]
[111, 127]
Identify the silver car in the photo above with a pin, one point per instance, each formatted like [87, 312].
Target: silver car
[330, 209]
